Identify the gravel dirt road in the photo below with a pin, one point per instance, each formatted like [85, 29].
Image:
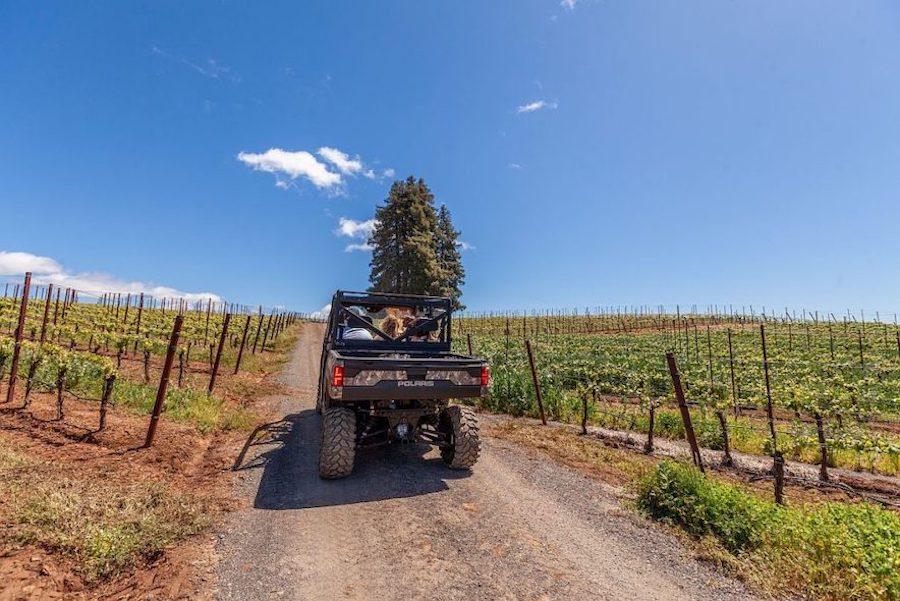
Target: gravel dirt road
[519, 526]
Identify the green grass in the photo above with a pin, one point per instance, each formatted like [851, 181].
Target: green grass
[206, 412]
[106, 528]
[831, 551]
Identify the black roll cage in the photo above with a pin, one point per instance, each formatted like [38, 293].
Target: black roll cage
[440, 309]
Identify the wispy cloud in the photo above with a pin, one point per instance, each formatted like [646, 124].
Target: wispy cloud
[515, 166]
[568, 4]
[46, 270]
[210, 68]
[362, 247]
[537, 105]
[389, 173]
[360, 230]
[463, 245]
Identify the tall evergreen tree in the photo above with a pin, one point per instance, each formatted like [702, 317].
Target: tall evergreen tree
[403, 250]
[414, 247]
[446, 248]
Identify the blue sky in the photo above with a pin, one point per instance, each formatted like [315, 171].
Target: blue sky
[592, 153]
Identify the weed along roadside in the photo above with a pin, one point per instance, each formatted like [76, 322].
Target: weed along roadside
[826, 550]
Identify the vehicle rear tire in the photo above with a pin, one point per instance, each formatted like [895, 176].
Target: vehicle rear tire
[460, 425]
[338, 449]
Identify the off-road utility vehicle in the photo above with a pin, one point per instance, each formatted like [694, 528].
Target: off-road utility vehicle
[379, 388]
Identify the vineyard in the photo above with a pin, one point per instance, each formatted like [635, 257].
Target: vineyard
[833, 386]
[143, 353]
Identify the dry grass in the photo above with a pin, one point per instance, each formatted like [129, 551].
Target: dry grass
[104, 526]
[9, 459]
[584, 453]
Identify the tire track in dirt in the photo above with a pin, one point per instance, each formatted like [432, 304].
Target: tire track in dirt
[403, 526]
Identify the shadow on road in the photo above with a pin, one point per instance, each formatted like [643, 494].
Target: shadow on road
[288, 453]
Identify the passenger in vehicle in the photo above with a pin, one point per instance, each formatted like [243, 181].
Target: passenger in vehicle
[392, 325]
[357, 332]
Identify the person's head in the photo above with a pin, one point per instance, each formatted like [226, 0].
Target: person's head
[391, 325]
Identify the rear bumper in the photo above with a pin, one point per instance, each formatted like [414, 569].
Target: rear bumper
[405, 390]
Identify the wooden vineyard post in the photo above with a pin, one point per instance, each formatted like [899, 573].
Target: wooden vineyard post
[262, 349]
[46, 313]
[137, 329]
[734, 396]
[584, 413]
[769, 413]
[777, 458]
[685, 414]
[20, 331]
[469, 343]
[127, 306]
[104, 400]
[648, 446]
[206, 329]
[258, 329]
[163, 382]
[60, 390]
[56, 308]
[536, 381]
[778, 472]
[823, 448]
[862, 358]
[237, 364]
[215, 369]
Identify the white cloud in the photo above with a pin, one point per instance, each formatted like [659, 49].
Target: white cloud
[17, 263]
[341, 160]
[515, 166]
[300, 163]
[46, 270]
[322, 313]
[361, 230]
[364, 247]
[355, 229]
[388, 172]
[536, 106]
[293, 165]
[568, 4]
[463, 245]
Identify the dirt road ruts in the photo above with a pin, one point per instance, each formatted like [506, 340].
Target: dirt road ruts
[403, 526]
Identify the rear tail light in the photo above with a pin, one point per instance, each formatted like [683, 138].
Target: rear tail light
[337, 376]
[485, 376]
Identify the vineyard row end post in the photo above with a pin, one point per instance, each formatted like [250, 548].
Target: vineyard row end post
[536, 381]
[20, 331]
[237, 363]
[163, 381]
[215, 370]
[685, 414]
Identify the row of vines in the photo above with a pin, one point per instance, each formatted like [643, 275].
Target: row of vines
[834, 386]
[113, 348]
